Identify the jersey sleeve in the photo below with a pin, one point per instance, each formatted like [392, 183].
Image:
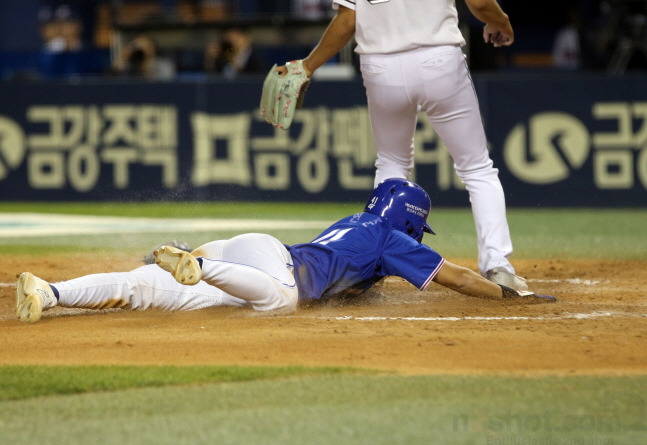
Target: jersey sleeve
[415, 262]
[350, 4]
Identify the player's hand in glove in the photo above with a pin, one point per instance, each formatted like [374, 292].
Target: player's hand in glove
[283, 93]
[525, 296]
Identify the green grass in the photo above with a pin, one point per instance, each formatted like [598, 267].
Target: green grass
[536, 233]
[22, 382]
[343, 409]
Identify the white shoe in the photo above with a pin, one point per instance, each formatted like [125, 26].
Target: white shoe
[33, 296]
[182, 265]
[500, 275]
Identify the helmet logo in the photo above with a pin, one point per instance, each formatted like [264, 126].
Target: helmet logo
[418, 211]
[372, 203]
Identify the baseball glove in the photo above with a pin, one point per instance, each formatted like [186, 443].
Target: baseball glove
[525, 296]
[284, 94]
[150, 258]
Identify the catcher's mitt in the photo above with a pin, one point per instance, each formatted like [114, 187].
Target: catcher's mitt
[283, 94]
[150, 258]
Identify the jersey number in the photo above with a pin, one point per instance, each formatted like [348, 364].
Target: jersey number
[334, 235]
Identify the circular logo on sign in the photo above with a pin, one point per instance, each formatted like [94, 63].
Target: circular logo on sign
[12, 146]
[547, 149]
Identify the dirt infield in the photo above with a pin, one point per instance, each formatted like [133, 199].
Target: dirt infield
[599, 326]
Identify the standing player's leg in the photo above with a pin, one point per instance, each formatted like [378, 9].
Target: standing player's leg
[450, 102]
[393, 115]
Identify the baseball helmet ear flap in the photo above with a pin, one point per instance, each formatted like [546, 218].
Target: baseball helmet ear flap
[404, 204]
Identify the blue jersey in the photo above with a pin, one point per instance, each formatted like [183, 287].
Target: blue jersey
[357, 251]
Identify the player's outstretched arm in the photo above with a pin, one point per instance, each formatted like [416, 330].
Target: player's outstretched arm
[468, 282]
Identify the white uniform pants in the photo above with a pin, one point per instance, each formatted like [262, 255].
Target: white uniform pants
[254, 267]
[147, 287]
[248, 269]
[436, 80]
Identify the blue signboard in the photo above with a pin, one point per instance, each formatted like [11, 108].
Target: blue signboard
[563, 141]
[570, 141]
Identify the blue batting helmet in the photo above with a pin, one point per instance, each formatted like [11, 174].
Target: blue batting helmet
[404, 204]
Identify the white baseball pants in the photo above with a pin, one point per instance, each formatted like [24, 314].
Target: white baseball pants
[251, 269]
[254, 267]
[147, 287]
[436, 80]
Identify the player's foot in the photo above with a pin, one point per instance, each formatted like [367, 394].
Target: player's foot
[150, 257]
[500, 275]
[182, 265]
[33, 296]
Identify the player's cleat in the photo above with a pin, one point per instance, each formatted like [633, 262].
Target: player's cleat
[150, 257]
[500, 275]
[33, 296]
[181, 264]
